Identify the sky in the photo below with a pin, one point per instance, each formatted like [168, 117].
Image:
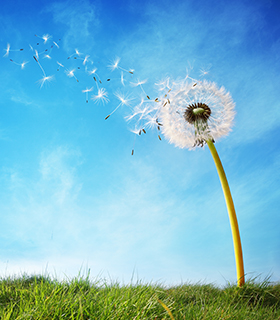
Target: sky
[73, 198]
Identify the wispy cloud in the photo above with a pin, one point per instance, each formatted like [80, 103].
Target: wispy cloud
[56, 172]
[80, 21]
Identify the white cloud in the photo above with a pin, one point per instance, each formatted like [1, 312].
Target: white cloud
[80, 20]
[56, 171]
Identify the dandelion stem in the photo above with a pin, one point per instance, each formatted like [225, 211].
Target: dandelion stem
[232, 215]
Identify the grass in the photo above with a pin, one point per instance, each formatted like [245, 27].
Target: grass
[40, 297]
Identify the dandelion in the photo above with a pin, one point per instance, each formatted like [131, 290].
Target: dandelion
[102, 96]
[198, 113]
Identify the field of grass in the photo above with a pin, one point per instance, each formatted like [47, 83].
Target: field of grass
[39, 297]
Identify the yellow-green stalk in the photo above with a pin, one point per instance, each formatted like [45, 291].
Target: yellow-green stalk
[232, 215]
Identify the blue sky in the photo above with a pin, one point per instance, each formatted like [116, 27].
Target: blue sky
[71, 195]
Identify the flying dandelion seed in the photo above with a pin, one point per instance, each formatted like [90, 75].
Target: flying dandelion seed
[115, 65]
[45, 37]
[60, 65]
[56, 44]
[7, 50]
[86, 91]
[77, 52]
[124, 100]
[22, 65]
[71, 74]
[85, 59]
[101, 97]
[45, 79]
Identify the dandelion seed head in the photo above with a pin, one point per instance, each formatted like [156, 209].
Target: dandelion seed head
[196, 114]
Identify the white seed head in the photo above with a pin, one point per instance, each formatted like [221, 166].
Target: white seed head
[184, 94]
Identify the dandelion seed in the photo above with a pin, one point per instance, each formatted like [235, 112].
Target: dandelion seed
[85, 59]
[71, 74]
[60, 65]
[77, 52]
[115, 64]
[7, 50]
[45, 79]
[205, 71]
[87, 91]
[101, 97]
[37, 54]
[22, 65]
[122, 79]
[138, 83]
[124, 100]
[56, 44]
[46, 37]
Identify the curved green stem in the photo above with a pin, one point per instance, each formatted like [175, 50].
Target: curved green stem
[232, 215]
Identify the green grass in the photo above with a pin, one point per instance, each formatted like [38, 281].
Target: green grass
[39, 297]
